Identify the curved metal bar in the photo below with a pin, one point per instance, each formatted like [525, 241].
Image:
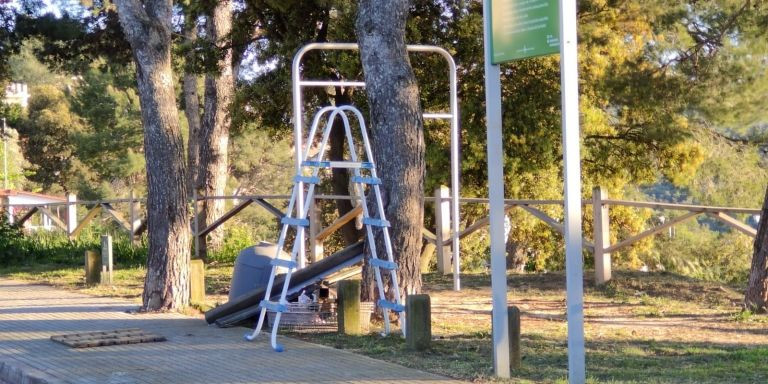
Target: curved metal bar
[298, 83]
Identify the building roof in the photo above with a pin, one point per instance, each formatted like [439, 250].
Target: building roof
[6, 193]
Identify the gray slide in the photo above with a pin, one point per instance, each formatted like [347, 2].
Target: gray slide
[246, 306]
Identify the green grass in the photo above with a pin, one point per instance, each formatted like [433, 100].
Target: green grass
[545, 360]
[462, 347]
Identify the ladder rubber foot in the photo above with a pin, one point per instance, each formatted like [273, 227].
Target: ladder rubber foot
[247, 337]
[279, 348]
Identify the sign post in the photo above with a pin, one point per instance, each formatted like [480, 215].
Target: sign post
[513, 30]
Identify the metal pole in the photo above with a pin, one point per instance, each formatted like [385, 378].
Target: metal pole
[298, 117]
[5, 156]
[496, 196]
[569, 78]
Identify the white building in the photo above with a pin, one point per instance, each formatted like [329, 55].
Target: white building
[17, 93]
[15, 203]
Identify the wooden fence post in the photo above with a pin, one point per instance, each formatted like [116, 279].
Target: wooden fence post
[601, 236]
[106, 259]
[71, 214]
[348, 314]
[133, 207]
[315, 226]
[443, 228]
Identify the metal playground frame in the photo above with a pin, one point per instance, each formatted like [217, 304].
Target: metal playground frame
[453, 115]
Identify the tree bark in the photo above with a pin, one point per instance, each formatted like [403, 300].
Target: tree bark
[214, 134]
[147, 27]
[756, 297]
[191, 110]
[396, 131]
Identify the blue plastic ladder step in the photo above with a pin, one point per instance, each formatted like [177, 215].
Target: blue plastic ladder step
[391, 306]
[295, 221]
[283, 263]
[366, 180]
[375, 222]
[273, 306]
[306, 179]
[382, 264]
[338, 164]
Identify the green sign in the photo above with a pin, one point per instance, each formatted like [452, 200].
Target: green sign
[524, 28]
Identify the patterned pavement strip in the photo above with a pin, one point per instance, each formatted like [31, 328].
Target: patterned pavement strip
[194, 353]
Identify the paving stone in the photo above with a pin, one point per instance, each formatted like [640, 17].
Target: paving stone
[193, 353]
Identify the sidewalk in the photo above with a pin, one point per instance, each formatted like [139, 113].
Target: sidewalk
[194, 352]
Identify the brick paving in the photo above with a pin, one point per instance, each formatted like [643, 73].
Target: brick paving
[194, 353]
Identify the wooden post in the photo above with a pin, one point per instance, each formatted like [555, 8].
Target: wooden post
[349, 307]
[601, 236]
[133, 207]
[315, 226]
[426, 257]
[418, 323]
[443, 228]
[71, 214]
[515, 355]
[92, 267]
[106, 259]
[196, 219]
[196, 281]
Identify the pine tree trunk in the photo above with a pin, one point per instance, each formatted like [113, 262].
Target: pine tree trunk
[147, 27]
[396, 130]
[756, 297]
[214, 137]
[192, 112]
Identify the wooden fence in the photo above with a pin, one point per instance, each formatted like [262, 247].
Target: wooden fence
[439, 240]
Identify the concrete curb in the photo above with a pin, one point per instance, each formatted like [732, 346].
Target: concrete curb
[21, 374]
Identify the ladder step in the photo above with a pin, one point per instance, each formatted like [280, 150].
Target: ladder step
[383, 264]
[366, 180]
[391, 306]
[283, 263]
[338, 164]
[375, 222]
[306, 179]
[272, 306]
[295, 221]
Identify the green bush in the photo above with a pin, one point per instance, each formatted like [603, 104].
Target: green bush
[11, 240]
[236, 238]
[55, 247]
[698, 252]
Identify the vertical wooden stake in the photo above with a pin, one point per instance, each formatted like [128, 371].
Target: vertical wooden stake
[92, 267]
[106, 259]
[515, 354]
[196, 281]
[349, 307]
[418, 322]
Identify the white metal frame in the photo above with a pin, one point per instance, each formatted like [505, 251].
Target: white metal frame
[453, 115]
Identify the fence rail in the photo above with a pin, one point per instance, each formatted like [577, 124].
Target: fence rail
[440, 239]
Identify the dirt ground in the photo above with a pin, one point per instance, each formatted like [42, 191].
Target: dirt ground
[639, 306]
